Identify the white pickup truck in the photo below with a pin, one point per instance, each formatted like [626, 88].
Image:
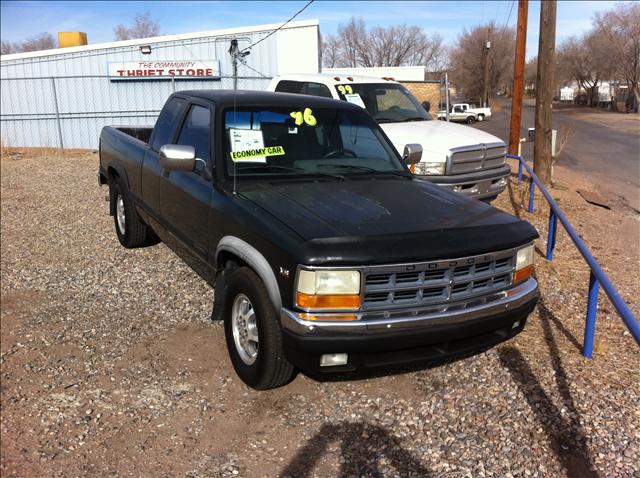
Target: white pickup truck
[464, 159]
[465, 113]
[481, 113]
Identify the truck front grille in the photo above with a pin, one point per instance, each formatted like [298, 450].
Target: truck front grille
[437, 282]
[472, 159]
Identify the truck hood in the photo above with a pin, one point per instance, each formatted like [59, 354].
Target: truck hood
[364, 221]
[436, 137]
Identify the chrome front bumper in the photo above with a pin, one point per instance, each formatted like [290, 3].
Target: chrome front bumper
[414, 319]
[479, 185]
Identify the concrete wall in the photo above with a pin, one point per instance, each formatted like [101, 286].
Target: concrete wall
[425, 91]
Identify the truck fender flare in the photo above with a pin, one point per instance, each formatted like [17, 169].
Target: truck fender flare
[256, 261]
[122, 172]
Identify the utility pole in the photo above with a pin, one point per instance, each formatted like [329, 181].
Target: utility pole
[518, 77]
[542, 161]
[487, 50]
[446, 94]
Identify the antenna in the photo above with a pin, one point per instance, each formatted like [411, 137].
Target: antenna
[236, 55]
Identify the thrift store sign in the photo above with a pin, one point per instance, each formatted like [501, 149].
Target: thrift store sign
[164, 69]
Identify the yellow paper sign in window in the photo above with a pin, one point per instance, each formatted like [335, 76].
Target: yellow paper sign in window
[248, 154]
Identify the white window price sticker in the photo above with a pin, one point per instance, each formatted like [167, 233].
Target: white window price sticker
[355, 99]
[247, 140]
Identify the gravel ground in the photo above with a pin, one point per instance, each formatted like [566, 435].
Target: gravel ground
[111, 366]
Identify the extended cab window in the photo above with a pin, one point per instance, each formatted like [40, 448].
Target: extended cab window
[304, 140]
[196, 131]
[167, 123]
[316, 89]
[386, 102]
[288, 86]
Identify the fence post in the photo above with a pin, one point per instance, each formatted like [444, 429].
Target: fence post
[590, 326]
[173, 83]
[520, 169]
[532, 190]
[55, 102]
[551, 237]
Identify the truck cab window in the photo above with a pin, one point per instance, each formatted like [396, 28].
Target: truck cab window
[287, 86]
[315, 89]
[196, 131]
[167, 123]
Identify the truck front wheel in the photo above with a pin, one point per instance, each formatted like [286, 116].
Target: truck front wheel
[471, 120]
[253, 334]
[131, 231]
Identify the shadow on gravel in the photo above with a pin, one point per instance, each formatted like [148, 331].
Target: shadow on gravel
[515, 204]
[564, 431]
[548, 316]
[365, 450]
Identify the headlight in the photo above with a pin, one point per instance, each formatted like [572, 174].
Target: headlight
[524, 264]
[328, 289]
[425, 168]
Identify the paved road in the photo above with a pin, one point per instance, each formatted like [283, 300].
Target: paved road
[603, 145]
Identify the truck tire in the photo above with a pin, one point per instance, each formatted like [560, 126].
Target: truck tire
[480, 118]
[470, 120]
[130, 229]
[252, 332]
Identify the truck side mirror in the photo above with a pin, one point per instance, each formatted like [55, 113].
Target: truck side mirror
[412, 154]
[177, 157]
[426, 105]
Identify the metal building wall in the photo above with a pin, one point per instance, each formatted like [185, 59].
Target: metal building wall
[64, 100]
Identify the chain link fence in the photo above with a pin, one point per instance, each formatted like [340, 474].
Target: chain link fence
[70, 111]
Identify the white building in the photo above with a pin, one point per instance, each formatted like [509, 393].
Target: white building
[63, 97]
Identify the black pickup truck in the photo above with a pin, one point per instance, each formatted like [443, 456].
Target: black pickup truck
[325, 252]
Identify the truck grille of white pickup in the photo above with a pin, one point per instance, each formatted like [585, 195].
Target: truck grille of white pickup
[437, 282]
[470, 160]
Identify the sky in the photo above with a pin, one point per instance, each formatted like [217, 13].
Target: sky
[21, 19]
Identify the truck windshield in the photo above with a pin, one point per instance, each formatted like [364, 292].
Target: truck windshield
[306, 141]
[386, 102]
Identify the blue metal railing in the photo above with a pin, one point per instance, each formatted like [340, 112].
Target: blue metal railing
[597, 277]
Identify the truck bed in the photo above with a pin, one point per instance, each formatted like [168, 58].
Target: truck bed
[122, 148]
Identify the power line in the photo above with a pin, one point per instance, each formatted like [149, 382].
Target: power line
[509, 17]
[280, 27]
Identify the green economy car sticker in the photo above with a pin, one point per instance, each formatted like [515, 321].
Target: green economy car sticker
[249, 154]
[304, 117]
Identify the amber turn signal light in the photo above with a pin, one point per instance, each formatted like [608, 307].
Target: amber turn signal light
[342, 301]
[331, 317]
[523, 274]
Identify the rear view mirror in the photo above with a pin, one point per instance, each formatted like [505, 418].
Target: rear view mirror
[412, 154]
[426, 105]
[177, 157]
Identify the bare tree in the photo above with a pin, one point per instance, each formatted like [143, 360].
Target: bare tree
[7, 47]
[143, 27]
[619, 28]
[330, 51]
[398, 45]
[466, 60]
[41, 41]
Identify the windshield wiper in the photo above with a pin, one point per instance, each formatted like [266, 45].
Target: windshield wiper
[271, 167]
[349, 166]
[414, 118]
[366, 169]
